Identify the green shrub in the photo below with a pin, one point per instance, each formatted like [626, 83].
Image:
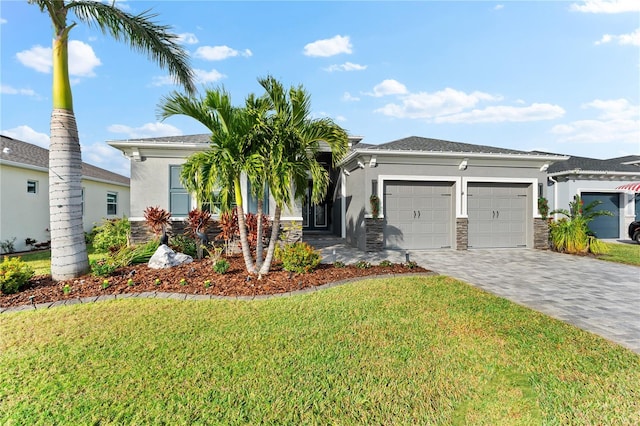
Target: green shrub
[338, 264]
[386, 263]
[103, 267]
[362, 264]
[221, 266]
[6, 246]
[183, 244]
[140, 253]
[299, 257]
[112, 235]
[14, 274]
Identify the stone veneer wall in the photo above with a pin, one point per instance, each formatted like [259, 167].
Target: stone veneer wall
[373, 233]
[462, 233]
[293, 228]
[540, 234]
[140, 232]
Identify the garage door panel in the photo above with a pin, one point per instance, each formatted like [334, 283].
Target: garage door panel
[604, 226]
[418, 215]
[497, 214]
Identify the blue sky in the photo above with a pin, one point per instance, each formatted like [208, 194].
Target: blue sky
[554, 76]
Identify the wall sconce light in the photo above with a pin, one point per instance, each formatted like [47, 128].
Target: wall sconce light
[544, 167]
[360, 164]
[346, 172]
[463, 164]
[373, 162]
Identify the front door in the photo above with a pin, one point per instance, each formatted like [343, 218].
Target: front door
[314, 216]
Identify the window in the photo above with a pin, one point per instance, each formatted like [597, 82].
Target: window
[112, 203]
[179, 198]
[253, 201]
[32, 187]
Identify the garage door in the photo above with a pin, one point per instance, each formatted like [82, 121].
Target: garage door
[497, 215]
[604, 226]
[419, 215]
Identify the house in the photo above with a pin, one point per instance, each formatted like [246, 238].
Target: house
[601, 180]
[24, 193]
[433, 193]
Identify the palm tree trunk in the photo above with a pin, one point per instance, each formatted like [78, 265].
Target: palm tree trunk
[259, 232]
[275, 228]
[68, 249]
[242, 228]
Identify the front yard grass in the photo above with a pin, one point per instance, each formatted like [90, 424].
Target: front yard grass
[40, 261]
[623, 253]
[410, 350]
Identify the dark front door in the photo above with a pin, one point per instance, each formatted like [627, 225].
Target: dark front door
[315, 217]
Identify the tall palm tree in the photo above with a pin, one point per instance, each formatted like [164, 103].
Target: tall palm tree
[68, 250]
[293, 142]
[231, 152]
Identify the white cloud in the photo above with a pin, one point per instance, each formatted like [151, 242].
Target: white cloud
[187, 38]
[82, 59]
[504, 113]
[201, 76]
[328, 47]
[347, 66]
[27, 134]
[148, 130]
[623, 39]
[498, 7]
[606, 6]
[341, 118]
[3, 21]
[219, 53]
[431, 105]
[8, 90]
[102, 155]
[388, 87]
[347, 97]
[617, 121]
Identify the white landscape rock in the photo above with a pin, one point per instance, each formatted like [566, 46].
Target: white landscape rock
[164, 257]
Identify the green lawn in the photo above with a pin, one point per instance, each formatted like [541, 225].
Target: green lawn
[623, 253]
[40, 261]
[412, 350]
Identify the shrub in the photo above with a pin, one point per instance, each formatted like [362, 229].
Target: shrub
[228, 223]
[221, 266]
[157, 219]
[543, 207]
[183, 244]
[386, 263]
[103, 267]
[375, 206]
[299, 257]
[14, 274]
[338, 264]
[112, 235]
[362, 264]
[7, 246]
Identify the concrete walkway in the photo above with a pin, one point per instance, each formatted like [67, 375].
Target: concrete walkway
[594, 295]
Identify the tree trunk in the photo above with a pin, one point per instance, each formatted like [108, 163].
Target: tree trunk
[242, 228]
[259, 232]
[275, 228]
[68, 249]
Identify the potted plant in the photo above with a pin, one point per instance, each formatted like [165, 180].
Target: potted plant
[375, 206]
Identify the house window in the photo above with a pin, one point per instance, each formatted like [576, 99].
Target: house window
[253, 201]
[112, 203]
[32, 186]
[179, 198]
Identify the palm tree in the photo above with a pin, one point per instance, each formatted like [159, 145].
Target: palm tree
[292, 142]
[68, 250]
[231, 152]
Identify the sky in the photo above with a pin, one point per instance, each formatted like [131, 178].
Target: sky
[554, 76]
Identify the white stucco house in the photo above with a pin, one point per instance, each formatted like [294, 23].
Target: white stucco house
[604, 180]
[24, 193]
[433, 193]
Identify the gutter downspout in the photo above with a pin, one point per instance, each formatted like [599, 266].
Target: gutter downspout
[555, 196]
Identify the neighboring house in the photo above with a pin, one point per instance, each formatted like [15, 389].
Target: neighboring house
[601, 180]
[433, 193]
[24, 193]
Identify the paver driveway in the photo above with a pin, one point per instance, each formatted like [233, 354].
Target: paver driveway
[597, 296]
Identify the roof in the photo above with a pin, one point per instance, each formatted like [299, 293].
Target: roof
[415, 143]
[203, 138]
[32, 155]
[628, 159]
[585, 164]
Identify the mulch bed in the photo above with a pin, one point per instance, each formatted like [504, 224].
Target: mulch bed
[190, 279]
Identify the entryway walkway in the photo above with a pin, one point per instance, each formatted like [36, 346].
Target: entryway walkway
[594, 295]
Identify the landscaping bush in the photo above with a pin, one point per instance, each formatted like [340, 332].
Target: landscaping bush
[183, 244]
[112, 235]
[157, 219]
[140, 253]
[298, 257]
[103, 267]
[14, 274]
[221, 266]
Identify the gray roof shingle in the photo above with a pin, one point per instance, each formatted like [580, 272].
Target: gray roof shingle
[33, 155]
[592, 165]
[204, 138]
[415, 143]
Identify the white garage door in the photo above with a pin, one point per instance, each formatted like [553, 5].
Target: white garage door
[497, 215]
[418, 215]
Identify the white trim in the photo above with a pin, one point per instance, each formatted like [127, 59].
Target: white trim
[415, 178]
[531, 181]
[291, 218]
[343, 193]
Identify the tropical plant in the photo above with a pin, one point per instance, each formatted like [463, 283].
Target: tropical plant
[299, 257]
[197, 223]
[68, 249]
[158, 219]
[7, 245]
[221, 266]
[183, 244]
[228, 224]
[543, 207]
[231, 152]
[375, 206]
[14, 274]
[571, 234]
[290, 143]
[112, 235]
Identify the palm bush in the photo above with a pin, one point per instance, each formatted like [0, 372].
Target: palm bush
[571, 234]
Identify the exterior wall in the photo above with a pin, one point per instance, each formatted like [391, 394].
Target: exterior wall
[358, 191]
[150, 184]
[25, 215]
[562, 192]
